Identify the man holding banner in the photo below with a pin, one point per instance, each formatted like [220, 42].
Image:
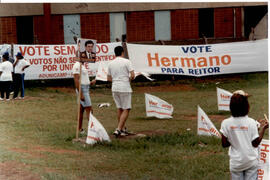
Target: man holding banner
[120, 73]
[240, 133]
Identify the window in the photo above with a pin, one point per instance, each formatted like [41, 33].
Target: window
[72, 27]
[162, 25]
[25, 31]
[117, 26]
[206, 22]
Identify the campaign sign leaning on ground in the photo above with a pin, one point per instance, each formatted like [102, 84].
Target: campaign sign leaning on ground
[96, 132]
[56, 61]
[263, 172]
[200, 60]
[205, 126]
[223, 99]
[156, 107]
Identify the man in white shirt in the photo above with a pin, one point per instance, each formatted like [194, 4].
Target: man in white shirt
[120, 73]
[18, 79]
[6, 70]
[88, 53]
[85, 102]
[240, 133]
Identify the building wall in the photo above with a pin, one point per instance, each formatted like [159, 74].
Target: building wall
[56, 31]
[8, 32]
[96, 26]
[184, 24]
[140, 26]
[223, 22]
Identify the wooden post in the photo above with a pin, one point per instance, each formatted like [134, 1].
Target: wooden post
[79, 103]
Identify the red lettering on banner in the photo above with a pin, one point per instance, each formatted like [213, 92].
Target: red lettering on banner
[263, 152]
[153, 103]
[225, 96]
[56, 49]
[260, 174]
[71, 50]
[46, 51]
[35, 50]
[50, 67]
[166, 106]
[102, 48]
[92, 125]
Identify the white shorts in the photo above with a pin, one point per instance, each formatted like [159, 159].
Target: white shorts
[122, 99]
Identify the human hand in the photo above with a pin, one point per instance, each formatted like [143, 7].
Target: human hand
[93, 82]
[82, 97]
[264, 123]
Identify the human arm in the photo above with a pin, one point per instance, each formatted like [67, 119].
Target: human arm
[264, 125]
[76, 82]
[109, 78]
[16, 62]
[93, 82]
[224, 141]
[132, 75]
[25, 67]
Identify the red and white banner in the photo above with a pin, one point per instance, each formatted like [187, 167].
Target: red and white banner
[96, 132]
[205, 125]
[56, 61]
[263, 172]
[223, 99]
[200, 60]
[156, 107]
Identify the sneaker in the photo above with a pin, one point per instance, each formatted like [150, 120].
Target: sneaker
[124, 133]
[16, 98]
[7, 99]
[21, 98]
[1, 99]
[117, 133]
[12, 92]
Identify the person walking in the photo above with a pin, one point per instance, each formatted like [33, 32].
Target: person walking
[120, 73]
[6, 70]
[240, 134]
[19, 66]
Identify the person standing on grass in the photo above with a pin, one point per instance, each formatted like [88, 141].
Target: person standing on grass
[6, 70]
[19, 66]
[240, 134]
[120, 73]
[85, 100]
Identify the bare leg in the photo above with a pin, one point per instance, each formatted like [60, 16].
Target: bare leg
[81, 117]
[123, 119]
[88, 110]
[119, 113]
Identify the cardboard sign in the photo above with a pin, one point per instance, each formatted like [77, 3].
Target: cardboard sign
[156, 107]
[205, 126]
[96, 132]
[263, 171]
[223, 99]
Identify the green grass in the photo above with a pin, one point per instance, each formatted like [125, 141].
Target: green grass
[39, 131]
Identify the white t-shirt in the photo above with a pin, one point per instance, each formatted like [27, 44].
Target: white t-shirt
[240, 132]
[85, 77]
[6, 68]
[20, 65]
[120, 69]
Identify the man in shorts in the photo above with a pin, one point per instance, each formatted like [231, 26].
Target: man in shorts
[85, 100]
[240, 133]
[120, 73]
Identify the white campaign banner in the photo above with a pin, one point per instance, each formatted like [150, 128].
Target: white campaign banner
[205, 126]
[96, 132]
[223, 99]
[263, 172]
[4, 48]
[56, 61]
[156, 107]
[200, 60]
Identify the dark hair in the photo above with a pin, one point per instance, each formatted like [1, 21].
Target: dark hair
[239, 105]
[88, 42]
[118, 50]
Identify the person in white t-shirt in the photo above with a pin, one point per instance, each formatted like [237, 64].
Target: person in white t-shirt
[18, 79]
[240, 134]
[85, 102]
[6, 70]
[120, 73]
